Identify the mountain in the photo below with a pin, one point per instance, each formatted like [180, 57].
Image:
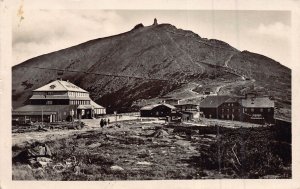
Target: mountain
[158, 60]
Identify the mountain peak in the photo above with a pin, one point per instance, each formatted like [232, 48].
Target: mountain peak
[146, 62]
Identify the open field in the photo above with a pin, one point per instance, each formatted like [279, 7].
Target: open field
[145, 151]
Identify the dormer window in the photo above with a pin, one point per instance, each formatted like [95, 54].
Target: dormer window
[52, 86]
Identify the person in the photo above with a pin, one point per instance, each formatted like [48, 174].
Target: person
[101, 123]
[108, 121]
[105, 123]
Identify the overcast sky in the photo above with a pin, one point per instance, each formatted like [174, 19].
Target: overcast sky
[44, 31]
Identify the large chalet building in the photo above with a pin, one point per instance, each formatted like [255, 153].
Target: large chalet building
[56, 101]
[251, 108]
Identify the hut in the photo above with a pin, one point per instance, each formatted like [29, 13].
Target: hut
[157, 110]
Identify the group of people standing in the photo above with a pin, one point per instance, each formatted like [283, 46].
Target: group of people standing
[104, 122]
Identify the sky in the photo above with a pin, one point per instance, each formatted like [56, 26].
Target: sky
[42, 31]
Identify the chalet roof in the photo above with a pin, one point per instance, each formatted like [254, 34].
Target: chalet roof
[85, 106]
[96, 106]
[60, 85]
[213, 101]
[258, 102]
[150, 107]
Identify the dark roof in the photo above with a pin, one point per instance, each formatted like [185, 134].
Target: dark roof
[258, 102]
[186, 104]
[232, 100]
[150, 107]
[96, 106]
[213, 101]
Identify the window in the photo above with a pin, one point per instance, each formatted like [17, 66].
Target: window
[269, 109]
[261, 110]
[49, 102]
[252, 109]
[222, 116]
[49, 93]
[245, 109]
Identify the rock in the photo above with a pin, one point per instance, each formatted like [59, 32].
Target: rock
[143, 153]
[77, 170]
[144, 163]
[39, 173]
[43, 161]
[94, 145]
[116, 168]
[160, 133]
[178, 137]
[138, 26]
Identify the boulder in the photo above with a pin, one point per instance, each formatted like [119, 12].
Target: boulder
[116, 168]
[143, 163]
[29, 155]
[43, 161]
[160, 133]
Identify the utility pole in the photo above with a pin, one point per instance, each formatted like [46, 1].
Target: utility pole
[72, 114]
[219, 150]
[42, 117]
[115, 112]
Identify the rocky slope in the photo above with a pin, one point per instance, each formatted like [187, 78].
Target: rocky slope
[161, 58]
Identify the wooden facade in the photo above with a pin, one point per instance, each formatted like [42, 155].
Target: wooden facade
[252, 109]
[157, 110]
[55, 101]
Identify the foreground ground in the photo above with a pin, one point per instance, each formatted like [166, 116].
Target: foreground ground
[134, 150]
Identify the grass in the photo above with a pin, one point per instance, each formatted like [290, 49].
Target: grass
[237, 153]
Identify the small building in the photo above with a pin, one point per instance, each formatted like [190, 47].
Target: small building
[258, 109]
[181, 116]
[230, 109]
[171, 101]
[210, 106]
[187, 107]
[157, 110]
[39, 113]
[251, 108]
[56, 101]
[189, 111]
[187, 116]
